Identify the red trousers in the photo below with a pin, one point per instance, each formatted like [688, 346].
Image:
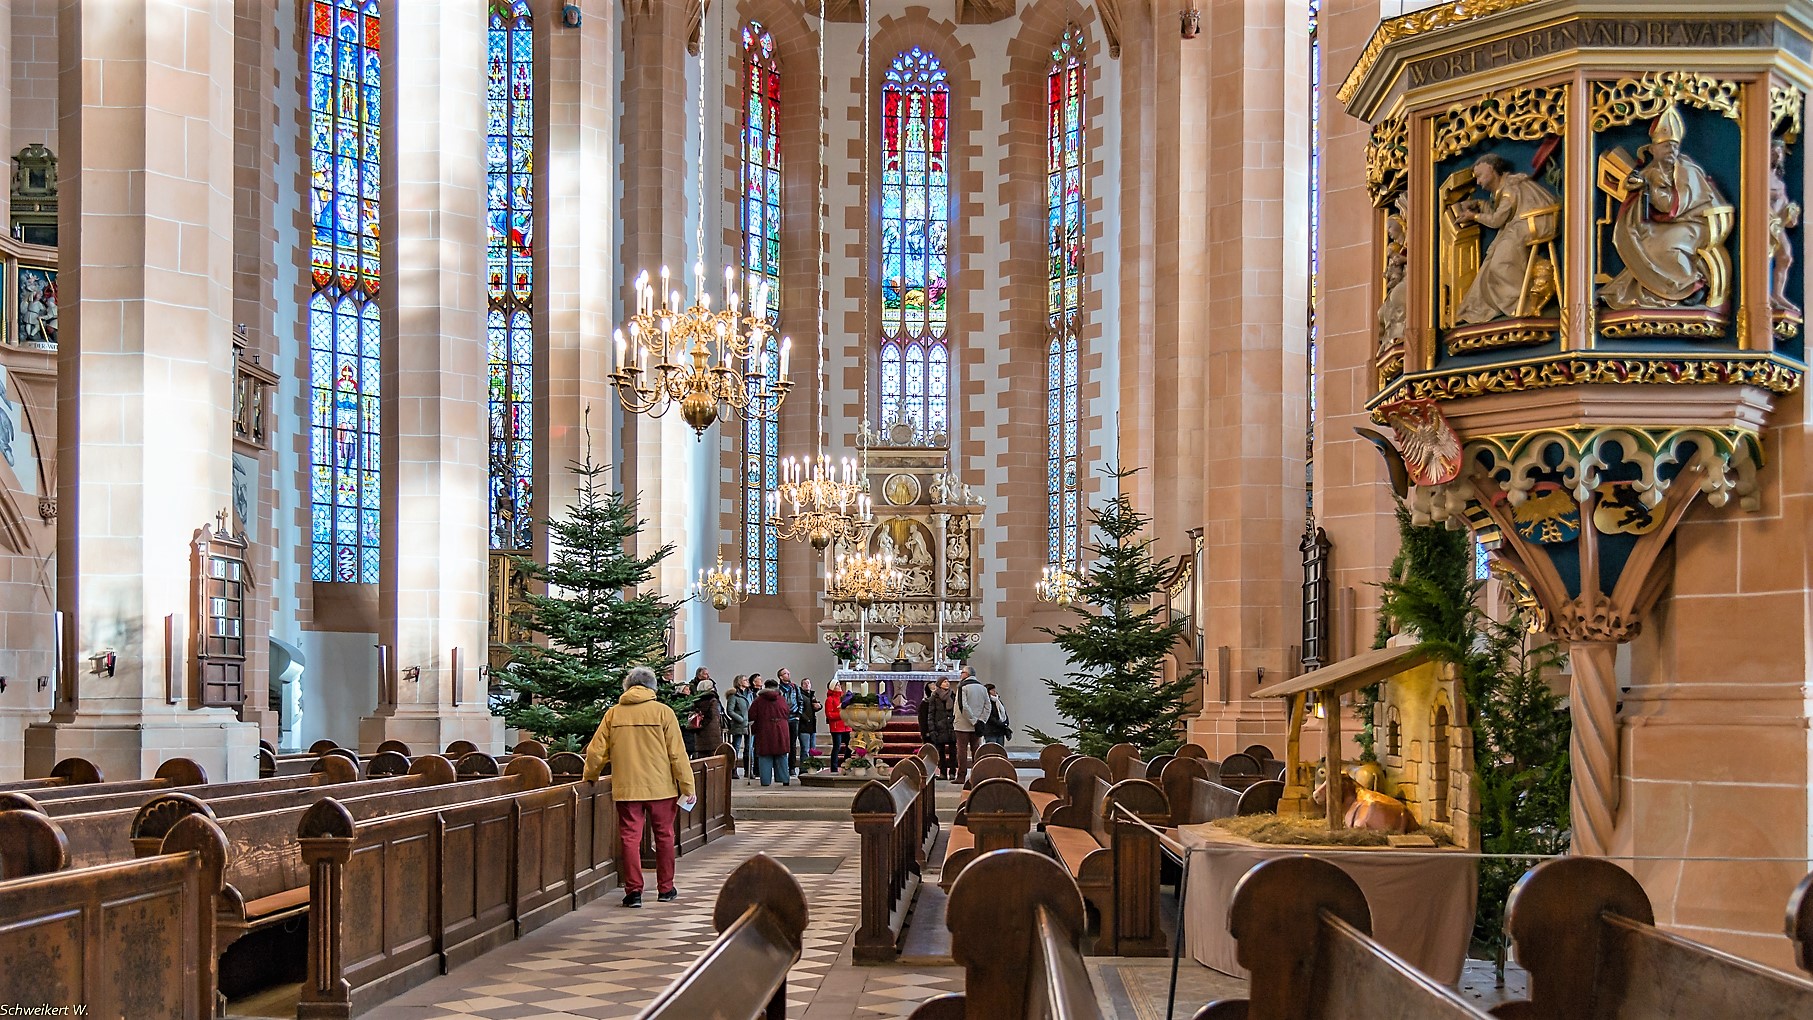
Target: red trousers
[630, 816]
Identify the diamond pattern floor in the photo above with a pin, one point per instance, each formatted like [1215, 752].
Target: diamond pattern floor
[603, 961]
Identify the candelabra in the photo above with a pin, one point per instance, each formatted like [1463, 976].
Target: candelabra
[865, 580]
[1059, 585]
[722, 586]
[827, 504]
[709, 363]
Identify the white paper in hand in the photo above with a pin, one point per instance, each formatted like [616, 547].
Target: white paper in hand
[688, 802]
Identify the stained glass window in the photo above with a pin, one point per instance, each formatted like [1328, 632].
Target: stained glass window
[1065, 166]
[762, 268]
[343, 309]
[915, 243]
[509, 258]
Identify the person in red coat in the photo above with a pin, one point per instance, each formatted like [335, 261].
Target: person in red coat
[773, 735]
[834, 721]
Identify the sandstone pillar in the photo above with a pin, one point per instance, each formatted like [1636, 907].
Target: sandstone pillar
[1247, 366]
[432, 585]
[656, 454]
[144, 379]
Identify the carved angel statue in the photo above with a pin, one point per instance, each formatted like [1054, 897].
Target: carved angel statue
[1392, 315]
[1784, 215]
[1670, 229]
[1525, 214]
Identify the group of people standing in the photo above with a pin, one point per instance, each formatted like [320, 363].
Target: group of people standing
[773, 722]
[958, 720]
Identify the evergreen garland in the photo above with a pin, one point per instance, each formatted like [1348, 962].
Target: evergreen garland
[1116, 648]
[596, 615]
[1520, 727]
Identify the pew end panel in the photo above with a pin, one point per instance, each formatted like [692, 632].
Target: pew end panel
[1304, 931]
[18, 800]
[761, 916]
[1017, 925]
[1176, 779]
[1800, 923]
[30, 844]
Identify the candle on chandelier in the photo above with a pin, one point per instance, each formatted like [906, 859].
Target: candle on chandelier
[617, 357]
[786, 353]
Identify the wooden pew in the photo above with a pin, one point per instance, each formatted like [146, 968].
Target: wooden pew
[1124, 762]
[327, 771]
[1239, 771]
[888, 818]
[710, 818]
[990, 749]
[121, 833]
[68, 772]
[1584, 930]
[1052, 758]
[760, 916]
[1195, 799]
[177, 772]
[1305, 936]
[1156, 767]
[1081, 777]
[1115, 861]
[266, 880]
[1017, 926]
[996, 815]
[133, 939]
[1800, 923]
[30, 844]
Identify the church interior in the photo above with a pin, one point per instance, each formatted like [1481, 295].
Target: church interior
[1361, 445]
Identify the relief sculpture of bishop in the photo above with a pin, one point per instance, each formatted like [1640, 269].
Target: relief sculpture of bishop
[1670, 227]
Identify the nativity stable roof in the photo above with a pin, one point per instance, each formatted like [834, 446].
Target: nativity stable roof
[1350, 674]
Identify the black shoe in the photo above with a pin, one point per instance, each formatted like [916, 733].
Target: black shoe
[668, 896]
[632, 899]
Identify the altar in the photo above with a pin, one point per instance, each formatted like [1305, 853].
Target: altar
[904, 691]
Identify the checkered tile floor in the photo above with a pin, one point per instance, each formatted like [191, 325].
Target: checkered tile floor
[604, 961]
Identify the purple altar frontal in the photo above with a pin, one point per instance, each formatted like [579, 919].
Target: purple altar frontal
[903, 690]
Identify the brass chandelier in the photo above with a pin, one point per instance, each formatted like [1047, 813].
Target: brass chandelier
[722, 586]
[1059, 585]
[827, 504]
[710, 363]
[865, 579]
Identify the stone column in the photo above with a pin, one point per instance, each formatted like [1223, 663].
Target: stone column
[577, 284]
[431, 588]
[1249, 364]
[655, 458]
[144, 379]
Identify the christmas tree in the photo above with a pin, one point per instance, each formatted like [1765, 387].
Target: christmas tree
[596, 614]
[1116, 649]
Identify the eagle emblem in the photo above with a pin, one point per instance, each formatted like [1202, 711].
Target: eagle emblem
[1430, 446]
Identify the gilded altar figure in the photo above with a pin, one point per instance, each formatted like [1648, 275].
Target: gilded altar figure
[1670, 228]
[1392, 313]
[1784, 215]
[1513, 279]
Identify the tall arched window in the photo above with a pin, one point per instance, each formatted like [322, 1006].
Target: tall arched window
[1066, 240]
[343, 310]
[915, 243]
[761, 212]
[509, 317]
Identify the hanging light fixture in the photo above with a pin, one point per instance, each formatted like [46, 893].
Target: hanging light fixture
[722, 586]
[823, 504]
[1059, 585]
[710, 363]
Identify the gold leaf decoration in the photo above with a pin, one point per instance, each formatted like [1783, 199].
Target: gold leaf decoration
[1785, 102]
[1577, 370]
[1519, 114]
[1404, 26]
[1628, 100]
[1387, 159]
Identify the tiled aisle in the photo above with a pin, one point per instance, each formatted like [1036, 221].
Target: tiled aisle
[605, 961]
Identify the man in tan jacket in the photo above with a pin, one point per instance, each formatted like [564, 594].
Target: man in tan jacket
[651, 779]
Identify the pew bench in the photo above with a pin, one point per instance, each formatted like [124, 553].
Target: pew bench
[997, 815]
[760, 916]
[67, 772]
[1081, 774]
[1305, 936]
[129, 939]
[1115, 861]
[1195, 799]
[172, 774]
[1017, 927]
[1052, 759]
[1584, 930]
[326, 771]
[889, 817]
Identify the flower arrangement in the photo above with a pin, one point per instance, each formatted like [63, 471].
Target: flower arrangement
[844, 645]
[960, 647]
[859, 759]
